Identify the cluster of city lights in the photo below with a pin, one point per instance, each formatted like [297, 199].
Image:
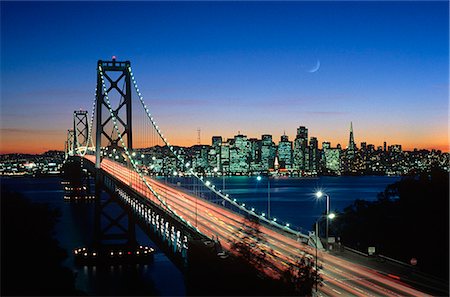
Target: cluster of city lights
[206, 183]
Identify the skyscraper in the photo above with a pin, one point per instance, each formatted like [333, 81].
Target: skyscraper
[333, 160]
[325, 145]
[350, 152]
[214, 153]
[285, 152]
[267, 152]
[200, 161]
[216, 141]
[255, 155]
[351, 142]
[300, 148]
[314, 156]
[240, 155]
[225, 157]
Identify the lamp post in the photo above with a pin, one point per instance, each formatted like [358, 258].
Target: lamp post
[319, 194]
[223, 181]
[317, 238]
[328, 216]
[258, 178]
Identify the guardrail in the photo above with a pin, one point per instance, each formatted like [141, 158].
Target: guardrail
[355, 251]
[379, 256]
[396, 261]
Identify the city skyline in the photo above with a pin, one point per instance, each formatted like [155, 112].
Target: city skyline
[276, 138]
[258, 68]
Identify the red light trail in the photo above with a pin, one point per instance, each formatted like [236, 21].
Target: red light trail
[340, 276]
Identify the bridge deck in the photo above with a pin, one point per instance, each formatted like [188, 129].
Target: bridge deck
[340, 276]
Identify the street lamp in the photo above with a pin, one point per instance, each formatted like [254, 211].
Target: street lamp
[258, 178]
[319, 194]
[328, 216]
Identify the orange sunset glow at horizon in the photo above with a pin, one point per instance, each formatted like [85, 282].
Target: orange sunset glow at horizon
[37, 142]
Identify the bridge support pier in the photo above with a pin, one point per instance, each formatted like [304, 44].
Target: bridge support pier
[76, 180]
[169, 233]
[110, 227]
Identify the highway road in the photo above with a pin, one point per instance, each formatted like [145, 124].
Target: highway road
[341, 277]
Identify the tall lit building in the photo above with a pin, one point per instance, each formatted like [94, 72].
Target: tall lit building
[314, 155]
[300, 149]
[240, 155]
[200, 161]
[325, 145]
[268, 152]
[255, 155]
[216, 141]
[351, 143]
[285, 152]
[214, 152]
[225, 157]
[333, 160]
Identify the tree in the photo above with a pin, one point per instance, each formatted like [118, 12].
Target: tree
[302, 276]
[250, 243]
[409, 219]
[252, 247]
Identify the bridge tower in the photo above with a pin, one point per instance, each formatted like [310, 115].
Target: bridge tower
[80, 128]
[112, 228]
[69, 146]
[112, 69]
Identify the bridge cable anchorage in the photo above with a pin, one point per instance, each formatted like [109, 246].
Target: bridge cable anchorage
[132, 161]
[211, 187]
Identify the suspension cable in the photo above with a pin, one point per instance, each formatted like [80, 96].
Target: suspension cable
[132, 161]
[208, 184]
[89, 138]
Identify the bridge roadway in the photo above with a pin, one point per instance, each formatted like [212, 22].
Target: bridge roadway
[341, 277]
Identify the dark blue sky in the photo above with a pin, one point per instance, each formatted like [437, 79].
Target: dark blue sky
[231, 66]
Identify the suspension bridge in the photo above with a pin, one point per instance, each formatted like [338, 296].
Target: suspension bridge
[192, 211]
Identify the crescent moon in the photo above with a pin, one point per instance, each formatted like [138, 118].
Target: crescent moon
[315, 68]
